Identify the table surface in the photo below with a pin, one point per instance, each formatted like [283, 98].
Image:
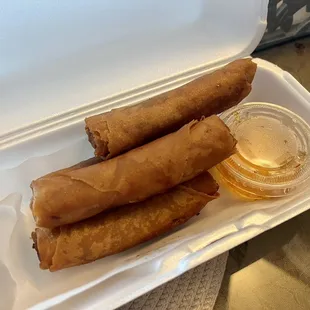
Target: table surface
[272, 271]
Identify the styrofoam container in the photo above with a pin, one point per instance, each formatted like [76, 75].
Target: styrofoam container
[64, 60]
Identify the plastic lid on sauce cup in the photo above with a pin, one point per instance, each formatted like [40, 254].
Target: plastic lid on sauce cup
[273, 151]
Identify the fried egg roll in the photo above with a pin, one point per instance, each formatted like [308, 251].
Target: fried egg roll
[122, 228]
[123, 129]
[82, 164]
[70, 196]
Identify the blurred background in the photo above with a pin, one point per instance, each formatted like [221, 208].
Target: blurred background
[287, 20]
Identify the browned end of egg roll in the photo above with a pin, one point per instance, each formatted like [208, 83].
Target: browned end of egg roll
[122, 129]
[122, 228]
[70, 196]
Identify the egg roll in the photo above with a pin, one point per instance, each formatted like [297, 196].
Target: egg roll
[71, 196]
[82, 164]
[122, 228]
[122, 129]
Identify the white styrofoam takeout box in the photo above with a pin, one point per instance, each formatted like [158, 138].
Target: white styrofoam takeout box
[63, 61]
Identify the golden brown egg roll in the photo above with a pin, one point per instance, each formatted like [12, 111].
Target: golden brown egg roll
[122, 228]
[122, 129]
[82, 164]
[154, 168]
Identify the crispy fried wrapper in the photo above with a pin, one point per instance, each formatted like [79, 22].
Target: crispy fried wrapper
[122, 129]
[70, 196]
[82, 164]
[122, 228]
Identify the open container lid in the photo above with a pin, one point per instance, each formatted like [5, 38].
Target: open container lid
[58, 56]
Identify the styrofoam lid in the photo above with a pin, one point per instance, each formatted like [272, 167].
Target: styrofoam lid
[59, 55]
